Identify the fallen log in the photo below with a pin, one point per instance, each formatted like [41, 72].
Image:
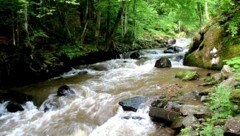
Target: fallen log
[163, 114]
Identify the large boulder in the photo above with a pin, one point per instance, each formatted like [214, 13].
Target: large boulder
[135, 55]
[65, 90]
[213, 44]
[132, 104]
[14, 107]
[163, 63]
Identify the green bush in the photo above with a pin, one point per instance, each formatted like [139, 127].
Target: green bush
[76, 49]
[221, 107]
[234, 63]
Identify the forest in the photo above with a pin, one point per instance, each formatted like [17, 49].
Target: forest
[63, 69]
[39, 36]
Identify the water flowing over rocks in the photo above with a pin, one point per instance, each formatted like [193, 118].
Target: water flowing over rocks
[14, 100]
[15, 96]
[173, 49]
[56, 101]
[88, 104]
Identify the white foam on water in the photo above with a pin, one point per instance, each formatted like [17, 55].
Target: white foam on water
[136, 124]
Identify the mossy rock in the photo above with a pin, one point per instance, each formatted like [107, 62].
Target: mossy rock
[212, 80]
[215, 36]
[235, 96]
[187, 75]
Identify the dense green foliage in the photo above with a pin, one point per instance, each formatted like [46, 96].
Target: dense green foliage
[222, 108]
[112, 24]
[234, 63]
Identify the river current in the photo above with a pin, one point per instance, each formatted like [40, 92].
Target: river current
[94, 110]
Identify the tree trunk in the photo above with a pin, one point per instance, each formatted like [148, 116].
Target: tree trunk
[206, 11]
[13, 29]
[25, 26]
[108, 21]
[63, 21]
[98, 22]
[134, 20]
[115, 26]
[200, 13]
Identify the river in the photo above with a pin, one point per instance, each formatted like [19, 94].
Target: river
[94, 110]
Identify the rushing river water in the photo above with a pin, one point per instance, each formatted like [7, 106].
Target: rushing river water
[94, 110]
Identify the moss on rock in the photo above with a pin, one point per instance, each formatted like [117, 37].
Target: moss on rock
[214, 36]
[235, 96]
[187, 75]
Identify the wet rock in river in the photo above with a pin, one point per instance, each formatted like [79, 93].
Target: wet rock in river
[133, 117]
[171, 41]
[98, 67]
[232, 127]
[50, 105]
[82, 73]
[135, 55]
[65, 91]
[14, 107]
[17, 97]
[187, 75]
[132, 104]
[178, 49]
[163, 63]
[173, 49]
[178, 58]
[169, 50]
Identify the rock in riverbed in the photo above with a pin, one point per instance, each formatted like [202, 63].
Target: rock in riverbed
[132, 104]
[163, 63]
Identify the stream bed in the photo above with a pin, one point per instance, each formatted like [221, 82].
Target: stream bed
[94, 109]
